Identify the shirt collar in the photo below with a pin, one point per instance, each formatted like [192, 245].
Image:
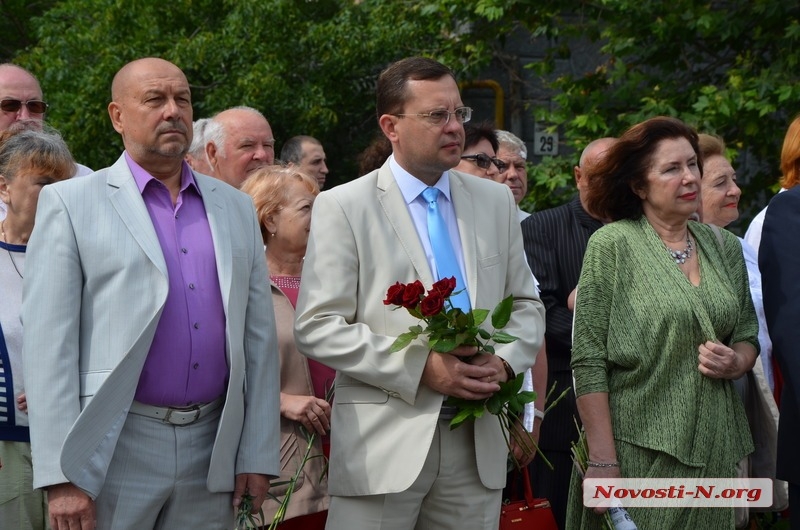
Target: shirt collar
[142, 177]
[411, 187]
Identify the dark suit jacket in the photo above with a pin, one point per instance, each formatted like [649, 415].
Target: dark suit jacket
[779, 261]
[555, 242]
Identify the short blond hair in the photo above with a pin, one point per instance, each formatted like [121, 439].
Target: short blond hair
[268, 187]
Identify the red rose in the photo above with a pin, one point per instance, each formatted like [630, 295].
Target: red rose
[445, 286]
[411, 294]
[394, 296]
[432, 304]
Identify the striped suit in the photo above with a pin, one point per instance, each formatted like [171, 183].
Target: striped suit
[555, 242]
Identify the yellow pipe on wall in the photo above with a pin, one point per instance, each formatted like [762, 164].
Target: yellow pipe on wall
[498, 97]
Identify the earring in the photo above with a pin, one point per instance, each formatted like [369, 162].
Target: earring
[273, 234]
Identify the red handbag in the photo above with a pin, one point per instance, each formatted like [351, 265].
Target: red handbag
[528, 513]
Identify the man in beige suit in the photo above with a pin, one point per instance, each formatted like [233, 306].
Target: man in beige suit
[148, 326]
[395, 464]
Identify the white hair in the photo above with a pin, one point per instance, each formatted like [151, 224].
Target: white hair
[200, 132]
[512, 143]
[215, 133]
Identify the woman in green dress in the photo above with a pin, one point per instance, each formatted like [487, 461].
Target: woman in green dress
[663, 324]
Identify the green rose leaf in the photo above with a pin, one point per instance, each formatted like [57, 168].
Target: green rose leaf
[502, 313]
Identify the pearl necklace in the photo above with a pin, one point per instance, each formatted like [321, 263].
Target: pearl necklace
[680, 256]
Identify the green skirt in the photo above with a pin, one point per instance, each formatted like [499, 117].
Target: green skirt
[639, 462]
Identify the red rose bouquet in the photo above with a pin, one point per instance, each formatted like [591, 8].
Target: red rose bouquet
[446, 328]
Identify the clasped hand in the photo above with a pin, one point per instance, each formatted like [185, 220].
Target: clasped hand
[475, 379]
[718, 361]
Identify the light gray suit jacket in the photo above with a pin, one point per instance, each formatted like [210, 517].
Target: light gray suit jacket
[362, 241]
[95, 286]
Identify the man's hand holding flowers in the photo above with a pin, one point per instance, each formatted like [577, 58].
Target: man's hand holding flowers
[461, 363]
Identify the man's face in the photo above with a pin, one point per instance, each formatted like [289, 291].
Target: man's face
[422, 148]
[515, 175]
[314, 162]
[248, 146]
[17, 84]
[153, 112]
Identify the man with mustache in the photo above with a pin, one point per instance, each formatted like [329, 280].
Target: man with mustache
[148, 326]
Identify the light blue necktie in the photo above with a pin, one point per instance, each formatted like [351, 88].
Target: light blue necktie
[443, 253]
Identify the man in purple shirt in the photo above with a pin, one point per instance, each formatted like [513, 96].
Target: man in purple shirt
[149, 325]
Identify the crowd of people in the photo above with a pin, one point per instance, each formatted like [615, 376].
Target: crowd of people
[198, 330]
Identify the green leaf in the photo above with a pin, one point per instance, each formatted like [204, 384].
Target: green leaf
[502, 337]
[479, 316]
[502, 313]
[403, 340]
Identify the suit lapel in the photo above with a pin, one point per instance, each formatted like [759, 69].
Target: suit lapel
[465, 214]
[396, 212]
[127, 201]
[220, 233]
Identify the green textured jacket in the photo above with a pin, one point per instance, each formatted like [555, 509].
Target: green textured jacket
[638, 325]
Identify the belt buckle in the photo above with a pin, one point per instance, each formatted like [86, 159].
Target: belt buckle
[193, 408]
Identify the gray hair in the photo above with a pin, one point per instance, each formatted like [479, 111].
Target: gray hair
[512, 143]
[215, 133]
[45, 150]
[292, 151]
[198, 148]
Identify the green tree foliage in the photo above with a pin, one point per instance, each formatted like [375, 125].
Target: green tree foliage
[725, 66]
[310, 66]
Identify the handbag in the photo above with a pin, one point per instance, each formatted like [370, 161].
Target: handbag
[528, 513]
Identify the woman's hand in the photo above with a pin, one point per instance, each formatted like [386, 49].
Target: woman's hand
[312, 412]
[718, 361]
[602, 473]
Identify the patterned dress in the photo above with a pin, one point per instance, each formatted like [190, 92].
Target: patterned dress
[638, 324]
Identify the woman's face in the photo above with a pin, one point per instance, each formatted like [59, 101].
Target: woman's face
[292, 222]
[672, 188]
[719, 191]
[470, 166]
[21, 193]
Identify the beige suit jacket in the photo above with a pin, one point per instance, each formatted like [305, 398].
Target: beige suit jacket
[95, 286]
[362, 241]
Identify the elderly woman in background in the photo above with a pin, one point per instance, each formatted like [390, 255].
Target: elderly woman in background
[720, 206]
[663, 323]
[29, 160]
[283, 199]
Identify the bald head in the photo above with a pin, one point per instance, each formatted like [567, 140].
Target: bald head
[18, 84]
[152, 109]
[239, 141]
[591, 155]
[594, 150]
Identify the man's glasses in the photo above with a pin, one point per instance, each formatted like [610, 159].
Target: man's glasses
[34, 106]
[484, 161]
[440, 118]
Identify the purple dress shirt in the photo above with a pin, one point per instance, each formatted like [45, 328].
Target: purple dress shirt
[187, 363]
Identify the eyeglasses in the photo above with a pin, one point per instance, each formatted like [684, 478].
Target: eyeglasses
[519, 165]
[483, 161]
[440, 118]
[34, 106]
